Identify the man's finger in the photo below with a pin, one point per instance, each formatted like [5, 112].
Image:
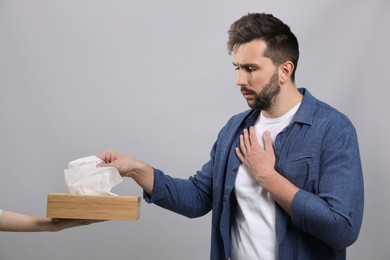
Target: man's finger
[267, 141]
[242, 144]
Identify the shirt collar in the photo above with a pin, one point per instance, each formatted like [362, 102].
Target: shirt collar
[305, 113]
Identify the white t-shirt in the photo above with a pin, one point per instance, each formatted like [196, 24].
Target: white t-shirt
[253, 233]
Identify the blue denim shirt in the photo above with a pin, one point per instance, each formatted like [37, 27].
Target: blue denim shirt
[318, 152]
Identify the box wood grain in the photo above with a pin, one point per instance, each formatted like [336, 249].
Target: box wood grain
[93, 207]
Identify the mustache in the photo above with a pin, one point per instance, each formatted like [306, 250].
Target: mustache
[245, 89]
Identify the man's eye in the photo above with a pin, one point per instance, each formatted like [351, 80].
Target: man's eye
[246, 68]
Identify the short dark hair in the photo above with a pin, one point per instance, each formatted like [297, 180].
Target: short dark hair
[282, 45]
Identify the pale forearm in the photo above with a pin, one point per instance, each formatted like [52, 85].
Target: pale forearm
[12, 221]
[281, 190]
[143, 174]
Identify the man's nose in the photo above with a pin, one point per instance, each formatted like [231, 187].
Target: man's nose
[241, 79]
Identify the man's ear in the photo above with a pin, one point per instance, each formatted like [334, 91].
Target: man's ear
[285, 71]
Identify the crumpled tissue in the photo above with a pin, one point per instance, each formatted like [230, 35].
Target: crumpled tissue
[83, 177]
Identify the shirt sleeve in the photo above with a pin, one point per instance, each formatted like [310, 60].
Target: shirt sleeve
[334, 212]
[183, 196]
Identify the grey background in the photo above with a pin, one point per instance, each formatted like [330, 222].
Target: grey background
[153, 79]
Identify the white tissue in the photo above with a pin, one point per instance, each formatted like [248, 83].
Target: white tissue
[83, 177]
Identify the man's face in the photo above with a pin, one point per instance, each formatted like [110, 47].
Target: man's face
[257, 75]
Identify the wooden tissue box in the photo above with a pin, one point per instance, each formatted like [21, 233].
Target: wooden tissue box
[93, 207]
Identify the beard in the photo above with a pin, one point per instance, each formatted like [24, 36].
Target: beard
[265, 98]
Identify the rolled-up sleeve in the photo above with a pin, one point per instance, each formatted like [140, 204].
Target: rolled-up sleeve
[189, 197]
[334, 212]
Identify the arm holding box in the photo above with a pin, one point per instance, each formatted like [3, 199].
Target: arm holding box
[17, 222]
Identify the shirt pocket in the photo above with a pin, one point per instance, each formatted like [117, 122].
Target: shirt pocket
[299, 168]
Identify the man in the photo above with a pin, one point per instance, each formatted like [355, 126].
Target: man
[284, 179]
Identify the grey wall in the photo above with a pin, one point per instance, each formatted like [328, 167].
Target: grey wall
[153, 79]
